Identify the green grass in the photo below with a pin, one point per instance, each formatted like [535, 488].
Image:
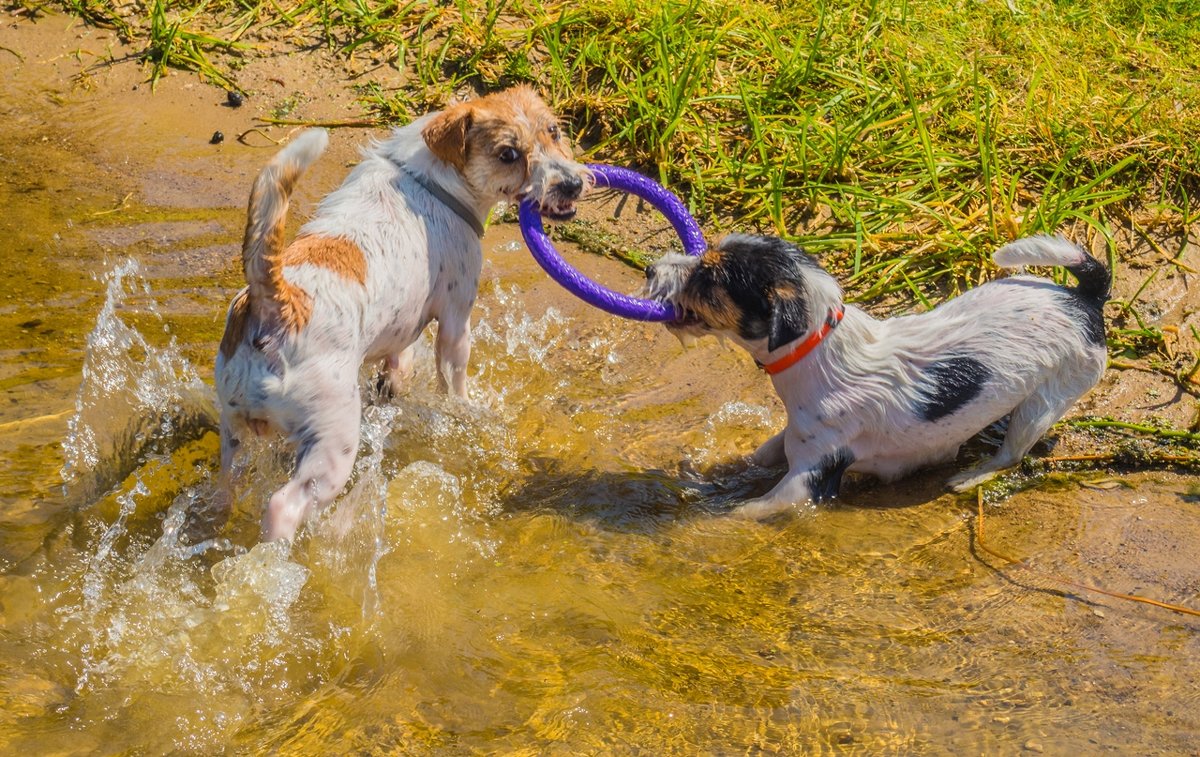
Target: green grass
[901, 140]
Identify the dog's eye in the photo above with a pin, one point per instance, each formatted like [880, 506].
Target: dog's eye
[554, 133]
[508, 155]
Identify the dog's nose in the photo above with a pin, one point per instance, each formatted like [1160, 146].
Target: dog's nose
[650, 273]
[571, 186]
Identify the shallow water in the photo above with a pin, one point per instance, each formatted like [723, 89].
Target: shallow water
[536, 570]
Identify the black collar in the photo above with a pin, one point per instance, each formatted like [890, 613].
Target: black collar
[447, 199]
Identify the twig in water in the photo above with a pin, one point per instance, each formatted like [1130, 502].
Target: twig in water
[1165, 433]
[120, 206]
[242, 137]
[1110, 457]
[351, 123]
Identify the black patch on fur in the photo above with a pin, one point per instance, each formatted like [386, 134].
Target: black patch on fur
[789, 319]
[949, 384]
[1094, 281]
[764, 278]
[826, 480]
[1085, 303]
[1088, 317]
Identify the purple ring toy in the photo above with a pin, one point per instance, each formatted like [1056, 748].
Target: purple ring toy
[627, 306]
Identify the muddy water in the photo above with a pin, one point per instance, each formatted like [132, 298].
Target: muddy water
[536, 570]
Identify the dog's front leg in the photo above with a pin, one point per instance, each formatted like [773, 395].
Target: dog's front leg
[453, 350]
[204, 522]
[805, 481]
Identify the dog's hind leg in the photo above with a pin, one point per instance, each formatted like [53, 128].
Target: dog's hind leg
[770, 453]
[323, 466]
[399, 370]
[1029, 421]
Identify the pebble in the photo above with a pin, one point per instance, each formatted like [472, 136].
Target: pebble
[1034, 746]
[234, 99]
[217, 138]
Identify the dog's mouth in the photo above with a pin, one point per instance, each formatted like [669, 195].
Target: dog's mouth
[556, 199]
[686, 328]
[558, 212]
[553, 208]
[685, 321]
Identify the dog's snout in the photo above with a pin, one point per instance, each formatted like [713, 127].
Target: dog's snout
[571, 186]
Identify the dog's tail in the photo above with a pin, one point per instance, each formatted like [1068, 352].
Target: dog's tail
[267, 214]
[1094, 279]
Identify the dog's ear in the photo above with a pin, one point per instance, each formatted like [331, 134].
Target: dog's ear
[446, 134]
[789, 315]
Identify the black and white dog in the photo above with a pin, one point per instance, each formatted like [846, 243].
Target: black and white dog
[888, 397]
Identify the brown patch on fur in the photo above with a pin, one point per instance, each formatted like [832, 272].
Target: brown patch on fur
[516, 118]
[235, 326]
[714, 309]
[712, 258]
[295, 306]
[520, 115]
[446, 134]
[786, 292]
[340, 256]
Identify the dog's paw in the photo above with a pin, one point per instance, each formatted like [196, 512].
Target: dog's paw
[759, 509]
[381, 390]
[968, 480]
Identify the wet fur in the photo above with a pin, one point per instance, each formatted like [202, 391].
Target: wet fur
[888, 397]
[380, 260]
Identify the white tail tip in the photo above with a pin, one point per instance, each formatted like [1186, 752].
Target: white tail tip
[1039, 250]
[304, 149]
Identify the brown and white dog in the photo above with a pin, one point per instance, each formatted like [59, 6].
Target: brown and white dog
[395, 247]
[888, 397]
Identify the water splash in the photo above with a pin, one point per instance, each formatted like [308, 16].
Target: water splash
[735, 424]
[134, 398]
[353, 531]
[521, 335]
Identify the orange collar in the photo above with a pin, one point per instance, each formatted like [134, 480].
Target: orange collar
[807, 345]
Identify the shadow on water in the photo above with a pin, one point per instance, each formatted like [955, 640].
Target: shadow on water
[630, 501]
